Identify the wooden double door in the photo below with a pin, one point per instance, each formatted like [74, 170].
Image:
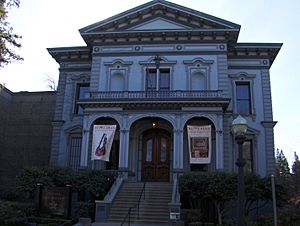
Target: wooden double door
[156, 155]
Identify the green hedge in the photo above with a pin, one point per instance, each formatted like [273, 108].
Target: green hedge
[213, 194]
[95, 182]
[14, 213]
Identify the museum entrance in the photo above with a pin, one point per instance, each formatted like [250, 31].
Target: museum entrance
[156, 155]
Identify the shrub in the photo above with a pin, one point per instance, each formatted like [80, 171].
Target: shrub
[27, 181]
[218, 188]
[84, 209]
[13, 213]
[95, 182]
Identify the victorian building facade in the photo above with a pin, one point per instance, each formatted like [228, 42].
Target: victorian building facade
[151, 71]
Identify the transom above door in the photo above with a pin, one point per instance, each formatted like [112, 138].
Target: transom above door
[156, 155]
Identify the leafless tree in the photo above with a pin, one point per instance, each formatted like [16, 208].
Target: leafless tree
[51, 82]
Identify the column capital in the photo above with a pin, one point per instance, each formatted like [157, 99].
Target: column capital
[178, 130]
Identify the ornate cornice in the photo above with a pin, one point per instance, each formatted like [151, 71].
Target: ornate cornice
[268, 124]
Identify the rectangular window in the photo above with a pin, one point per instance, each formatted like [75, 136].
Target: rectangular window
[243, 98]
[81, 93]
[74, 152]
[248, 156]
[164, 79]
[159, 78]
[151, 79]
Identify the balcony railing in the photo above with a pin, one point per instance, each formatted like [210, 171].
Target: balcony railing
[165, 94]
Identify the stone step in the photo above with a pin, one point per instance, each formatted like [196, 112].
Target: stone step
[126, 224]
[142, 213]
[153, 204]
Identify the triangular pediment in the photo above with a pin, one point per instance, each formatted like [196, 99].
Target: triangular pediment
[159, 15]
[158, 24]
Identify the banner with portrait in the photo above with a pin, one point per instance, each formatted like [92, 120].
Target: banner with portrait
[199, 139]
[103, 136]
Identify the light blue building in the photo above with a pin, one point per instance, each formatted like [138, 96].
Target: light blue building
[153, 70]
[197, 74]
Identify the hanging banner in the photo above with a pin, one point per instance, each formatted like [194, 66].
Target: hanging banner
[199, 138]
[103, 136]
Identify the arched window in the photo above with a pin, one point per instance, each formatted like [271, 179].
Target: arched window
[198, 81]
[117, 82]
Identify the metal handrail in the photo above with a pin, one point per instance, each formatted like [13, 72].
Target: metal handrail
[128, 215]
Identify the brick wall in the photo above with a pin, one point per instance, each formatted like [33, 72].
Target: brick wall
[27, 133]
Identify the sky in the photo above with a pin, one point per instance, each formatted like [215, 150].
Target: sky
[55, 23]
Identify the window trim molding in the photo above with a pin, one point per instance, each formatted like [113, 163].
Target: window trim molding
[243, 77]
[253, 135]
[75, 95]
[73, 132]
[150, 64]
[198, 65]
[117, 66]
[161, 68]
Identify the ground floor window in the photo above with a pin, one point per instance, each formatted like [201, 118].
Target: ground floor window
[248, 156]
[74, 152]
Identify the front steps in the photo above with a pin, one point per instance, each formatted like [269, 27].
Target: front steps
[153, 209]
[132, 224]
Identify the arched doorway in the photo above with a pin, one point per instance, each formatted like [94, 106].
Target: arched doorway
[151, 149]
[156, 155]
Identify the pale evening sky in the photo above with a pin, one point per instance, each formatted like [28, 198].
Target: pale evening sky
[55, 23]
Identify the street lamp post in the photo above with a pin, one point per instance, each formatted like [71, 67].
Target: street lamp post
[239, 128]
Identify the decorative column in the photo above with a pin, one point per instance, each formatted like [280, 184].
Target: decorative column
[219, 145]
[84, 144]
[178, 150]
[124, 150]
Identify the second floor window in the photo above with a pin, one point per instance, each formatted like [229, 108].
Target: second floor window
[81, 93]
[158, 79]
[243, 98]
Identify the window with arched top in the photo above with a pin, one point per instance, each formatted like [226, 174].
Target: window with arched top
[117, 82]
[198, 81]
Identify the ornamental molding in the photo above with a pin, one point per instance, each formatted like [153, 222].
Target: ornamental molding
[159, 48]
[168, 117]
[80, 77]
[92, 118]
[268, 124]
[163, 61]
[117, 62]
[198, 60]
[242, 75]
[212, 117]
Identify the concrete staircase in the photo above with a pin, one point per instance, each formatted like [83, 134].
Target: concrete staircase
[152, 210]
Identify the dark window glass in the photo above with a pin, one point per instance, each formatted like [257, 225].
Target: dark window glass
[151, 79]
[248, 156]
[82, 90]
[149, 150]
[243, 101]
[164, 79]
[164, 82]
